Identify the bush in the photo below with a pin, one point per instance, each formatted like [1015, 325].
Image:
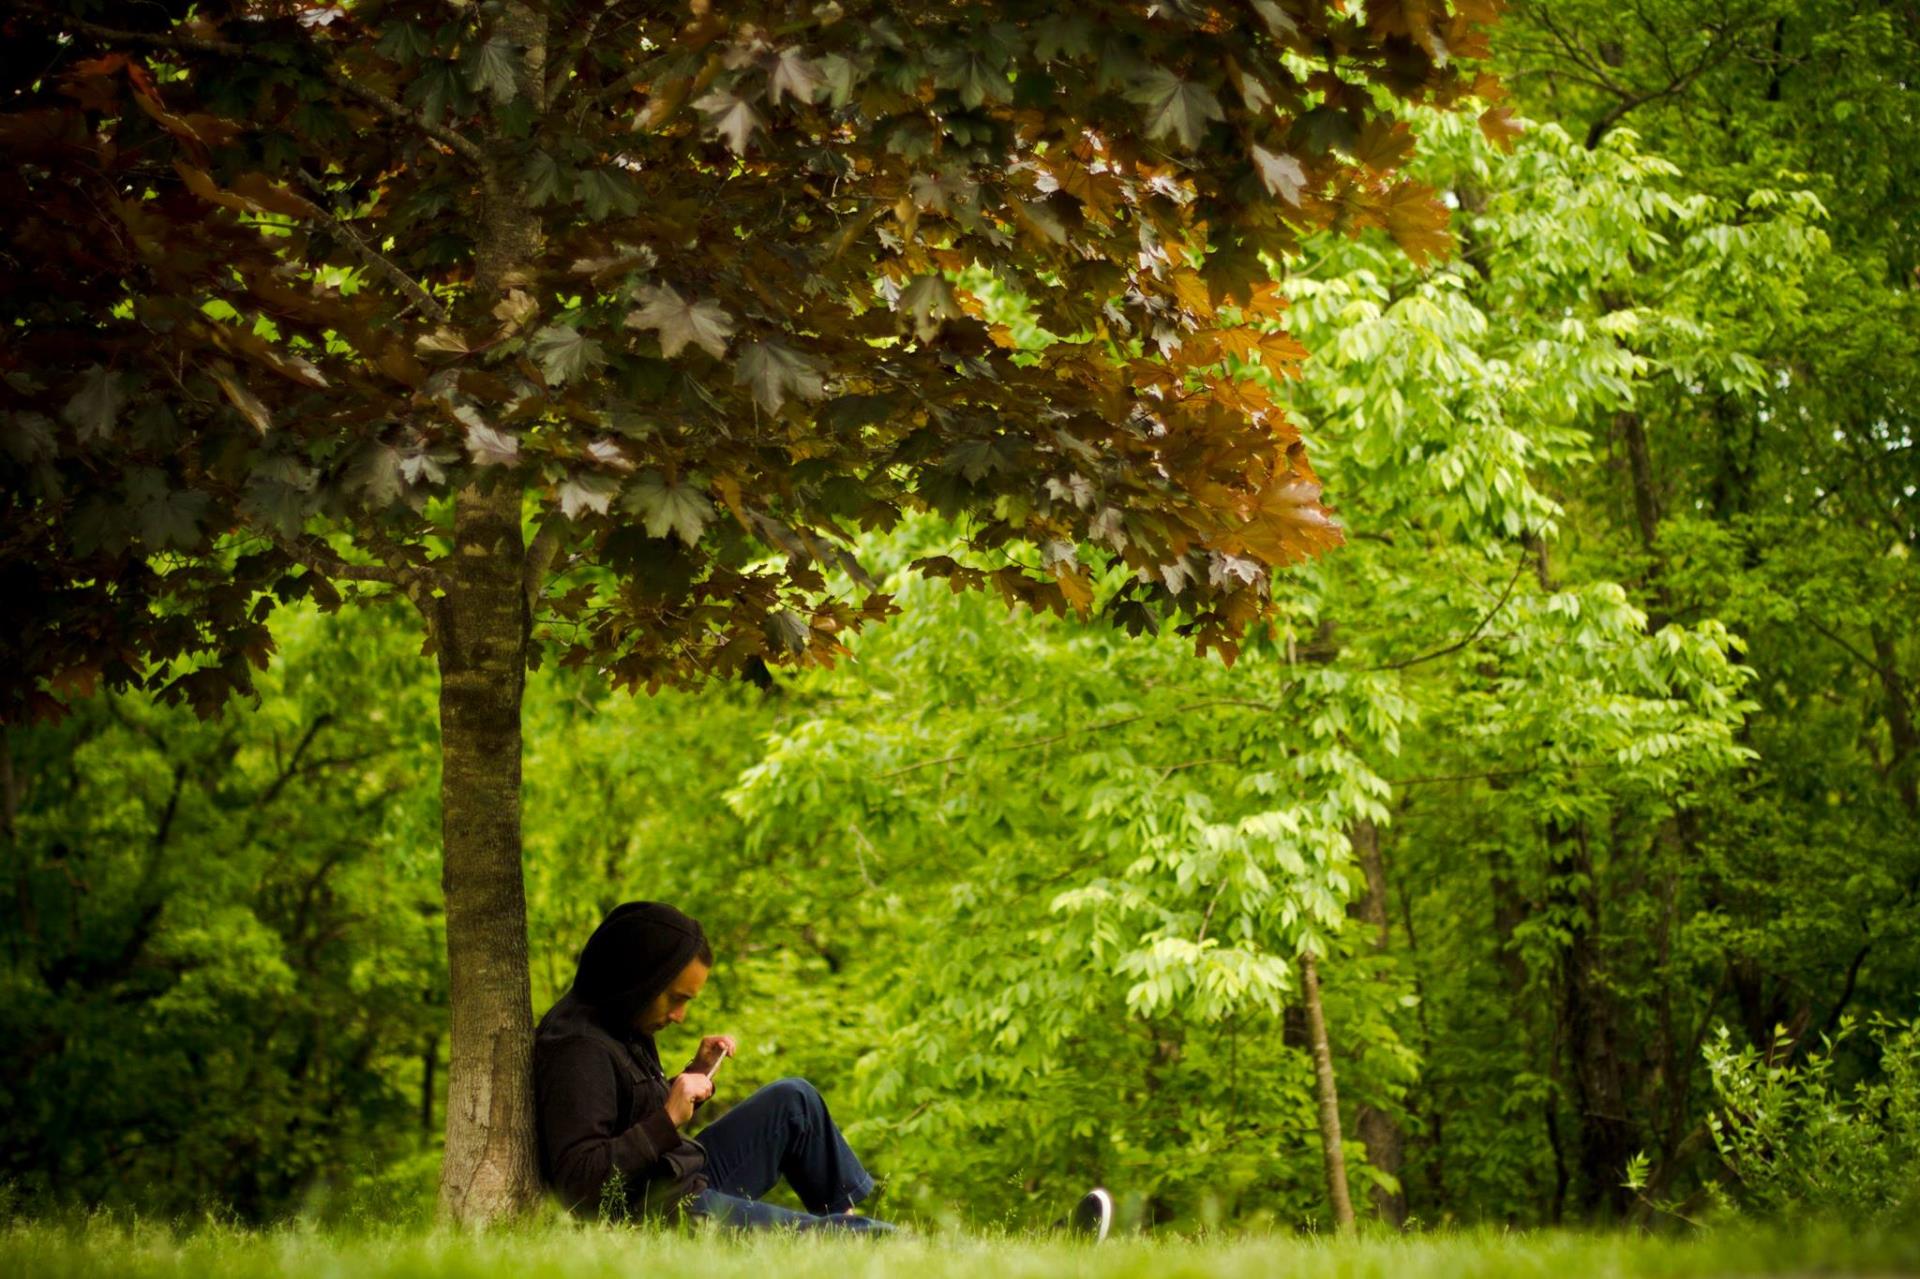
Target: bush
[1795, 1141]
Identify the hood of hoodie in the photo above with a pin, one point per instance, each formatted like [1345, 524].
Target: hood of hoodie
[634, 955]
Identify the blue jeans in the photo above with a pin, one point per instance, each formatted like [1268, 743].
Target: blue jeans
[783, 1130]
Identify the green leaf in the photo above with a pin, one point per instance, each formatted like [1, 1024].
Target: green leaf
[929, 300]
[680, 508]
[94, 409]
[1175, 107]
[279, 494]
[28, 437]
[837, 75]
[773, 372]
[680, 322]
[541, 178]
[605, 193]
[787, 631]
[100, 524]
[490, 69]
[1278, 20]
[164, 517]
[433, 90]
[404, 43]
[1059, 36]
[563, 354]
[376, 476]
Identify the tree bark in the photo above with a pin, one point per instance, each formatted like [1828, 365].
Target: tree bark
[1607, 1136]
[483, 628]
[489, 1170]
[1382, 1135]
[1330, 1148]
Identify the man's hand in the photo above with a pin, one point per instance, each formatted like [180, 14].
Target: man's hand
[713, 1050]
[688, 1090]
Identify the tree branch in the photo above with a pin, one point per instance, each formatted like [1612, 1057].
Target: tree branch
[1472, 635]
[372, 256]
[540, 556]
[317, 557]
[458, 143]
[1048, 740]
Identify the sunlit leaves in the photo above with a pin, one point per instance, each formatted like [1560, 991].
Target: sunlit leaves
[776, 373]
[665, 507]
[587, 491]
[793, 76]
[406, 322]
[1417, 221]
[1281, 174]
[565, 353]
[731, 118]
[489, 446]
[679, 322]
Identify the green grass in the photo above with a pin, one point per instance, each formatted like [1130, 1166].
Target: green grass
[99, 1246]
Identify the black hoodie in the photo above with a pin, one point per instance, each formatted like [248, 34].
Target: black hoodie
[599, 1092]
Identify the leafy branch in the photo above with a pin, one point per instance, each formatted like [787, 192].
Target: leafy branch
[183, 42]
[1471, 636]
[1049, 739]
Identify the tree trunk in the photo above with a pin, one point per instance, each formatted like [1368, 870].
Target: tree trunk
[482, 627]
[1336, 1159]
[1382, 1135]
[489, 1170]
[1607, 1136]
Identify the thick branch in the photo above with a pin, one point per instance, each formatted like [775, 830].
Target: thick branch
[540, 557]
[373, 257]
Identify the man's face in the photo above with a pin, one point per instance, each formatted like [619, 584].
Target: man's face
[669, 1007]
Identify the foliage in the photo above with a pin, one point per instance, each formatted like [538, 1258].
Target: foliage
[288, 278]
[223, 964]
[1800, 1144]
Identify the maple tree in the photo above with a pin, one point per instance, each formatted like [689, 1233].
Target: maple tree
[599, 329]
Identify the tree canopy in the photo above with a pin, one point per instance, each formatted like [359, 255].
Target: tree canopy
[705, 285]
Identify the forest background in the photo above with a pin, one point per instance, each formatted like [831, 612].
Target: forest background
[1585, 776]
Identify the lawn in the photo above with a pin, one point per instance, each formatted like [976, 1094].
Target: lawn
[104, 1247]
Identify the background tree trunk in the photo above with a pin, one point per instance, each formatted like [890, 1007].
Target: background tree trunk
[1336, 1159]
[1379, 1131]
[489, 1169]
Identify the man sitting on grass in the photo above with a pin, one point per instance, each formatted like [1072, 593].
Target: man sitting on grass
[610, 1118]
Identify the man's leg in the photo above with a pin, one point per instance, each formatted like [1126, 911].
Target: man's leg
[740, 1213]
[784, 1130]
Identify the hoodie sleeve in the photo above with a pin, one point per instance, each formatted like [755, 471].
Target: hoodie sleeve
[579, 1102]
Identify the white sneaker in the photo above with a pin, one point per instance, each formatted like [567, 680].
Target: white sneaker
[1093, 1215]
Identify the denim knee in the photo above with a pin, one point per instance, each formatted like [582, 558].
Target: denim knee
[795, 1094]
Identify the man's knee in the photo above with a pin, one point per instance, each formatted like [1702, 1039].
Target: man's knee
[795, 1092]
